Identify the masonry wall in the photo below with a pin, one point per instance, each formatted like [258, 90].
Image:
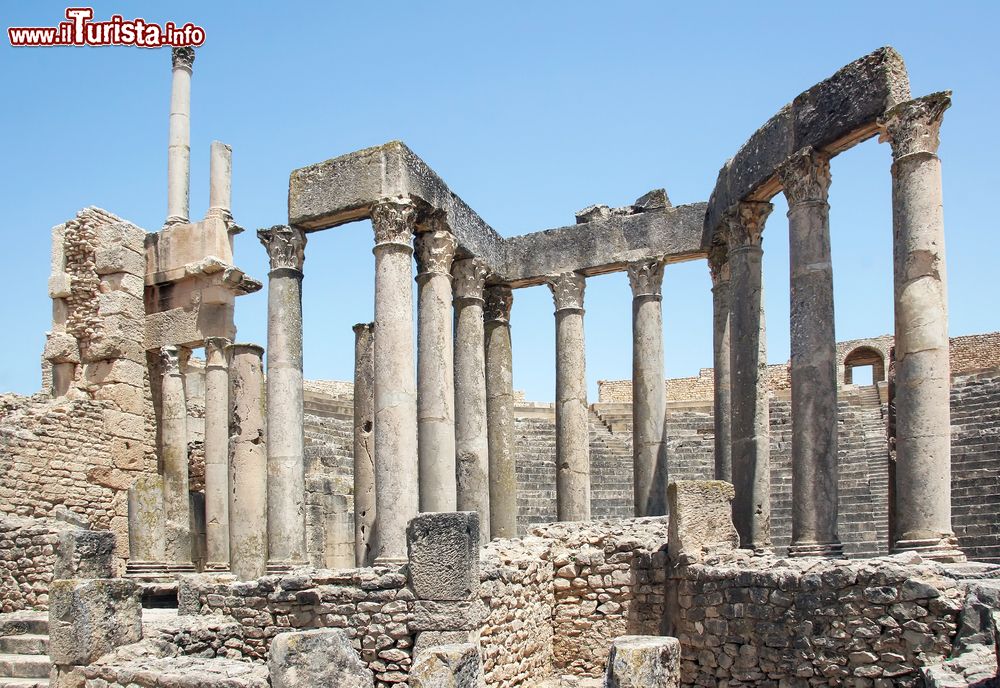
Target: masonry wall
[27, 558]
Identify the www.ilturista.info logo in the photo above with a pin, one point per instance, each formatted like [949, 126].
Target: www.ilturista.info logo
[80, 30]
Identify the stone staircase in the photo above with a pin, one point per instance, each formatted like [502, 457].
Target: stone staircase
[863, 512]
[535, 450]
[610, 471]
[24, 648]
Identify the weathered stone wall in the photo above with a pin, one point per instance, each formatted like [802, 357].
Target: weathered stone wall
[974, 352]
[27, 558]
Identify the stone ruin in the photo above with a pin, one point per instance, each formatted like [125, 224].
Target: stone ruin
[171, 521]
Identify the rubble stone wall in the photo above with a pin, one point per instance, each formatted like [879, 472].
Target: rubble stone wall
[27, 558]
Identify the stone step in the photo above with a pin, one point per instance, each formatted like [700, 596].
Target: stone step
[23, 682]
[18, 623]
[24, 666]
[25, 644]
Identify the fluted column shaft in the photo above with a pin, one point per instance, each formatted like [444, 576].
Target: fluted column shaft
[649, 394]
[179, 137]
[435, 250]
[396, 464]
[572, 414]
[174, 458]
[805, 177]
[217, 453]
[747, 365]
[500, 413]
[718, 264]
[285, 416]
[923, 379]
[471, 434]
[364, 442]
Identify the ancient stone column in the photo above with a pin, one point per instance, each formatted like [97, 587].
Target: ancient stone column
[649, 393]
[923, 379]
[500, 413]
[174, 458]
[285, 416]
[396, 465]
[435, 249]
[572, 413]
[179, 137]
[220, 181]
[217, 453]
[471, 434]
[248, 474]
[805, 177]
[364, 442]
[718, 266]
[747, 368]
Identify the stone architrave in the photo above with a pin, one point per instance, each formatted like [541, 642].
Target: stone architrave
[718, 265]
[435, 251]
[174, 458]
[500, 412]
[248, 476]
[572, 412]
[750, 415]
[364, 442]
[923, 379]
[285, 415]
[471, 434]
[217, 453]
[649, 394]
[396, 463]
[179, 146]
[805, 177]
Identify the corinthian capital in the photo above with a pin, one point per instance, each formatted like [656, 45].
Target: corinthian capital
[499, 300]
[182, 58]
[394, 220]
[646, 277]
[567, 290]
[285, 246]
[915, 126]
[470, 278]
[435, 252]
[744, 223]
[215, 352]
[170, 360]
[718, 263]
[805, 176]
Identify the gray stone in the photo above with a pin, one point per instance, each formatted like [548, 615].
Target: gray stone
[364, 442]
[444, 555]
[85, 554]
[431, 615]
[317, 659]
[639, 661]
[428, 639]
[448, 666]
[700, 519]
[90, 618]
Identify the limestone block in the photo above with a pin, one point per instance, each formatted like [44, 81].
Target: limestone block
[121, 303]
[432, 615]
[701, 519]
[61, 348]
[122, 234]
[89, 618]
[444, 555]
[111, 259]
[126, 282]
[125, 424]
[317, 659]
[448, 666]
[113, 372]
[644, 661]
[429, 639]
[59, 285]
[85, 554]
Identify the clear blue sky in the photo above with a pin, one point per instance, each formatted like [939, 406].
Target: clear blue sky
[529, 111]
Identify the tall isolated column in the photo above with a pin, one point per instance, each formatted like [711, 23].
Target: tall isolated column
[435, 250]
[718, 266]
[364, 442]
[396, 465]
[179, 138]
[248, 476]
[471, 435]
[286, 522]
[805, 177]
[174, 458]
[747, 369]
[220, 181]
[649, 393]
[500, 412]
[217, 453]
[572, 413]
[923, 378]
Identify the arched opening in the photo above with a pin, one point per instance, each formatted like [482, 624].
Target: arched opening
[861, 357]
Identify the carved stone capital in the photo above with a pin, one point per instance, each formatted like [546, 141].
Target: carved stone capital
[361, 328]
[915, 126]
[470, 278]
[170, 360]
[182, 58]
[718, 263]
[567, 290]
[744, 224]
[805, 176]
[285, 246]
[435, 252]
[394, 221]
[215, 352]
[499, 300]
[646, 277]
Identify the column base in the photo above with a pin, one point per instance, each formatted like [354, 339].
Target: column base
[217, 567]
[944, 549]
[390, 562]
[830, 550]
[156, 570]
[279, 567]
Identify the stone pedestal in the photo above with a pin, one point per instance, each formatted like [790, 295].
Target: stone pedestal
[572, 413]
[285, 440]
[217, 454]
[145, 522]
[500, 413]
[396, 466]
[248, 541]
[805, 177]
[718, 265]
[435, 249]
[923, 381]
[364, 442]
[471, 435]
[750, 427]
[179, 146]
[649, 394]
[174, 458]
